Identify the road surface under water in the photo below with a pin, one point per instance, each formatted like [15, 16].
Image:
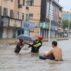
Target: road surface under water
[9, 61]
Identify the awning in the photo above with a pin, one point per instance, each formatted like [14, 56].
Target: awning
[29, 25]
[44, 25]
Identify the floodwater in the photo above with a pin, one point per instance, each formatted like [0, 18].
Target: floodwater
[9, 61]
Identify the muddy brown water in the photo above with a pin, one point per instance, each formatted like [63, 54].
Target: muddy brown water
[9, 61]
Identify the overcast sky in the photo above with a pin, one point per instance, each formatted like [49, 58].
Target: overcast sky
[66, 4]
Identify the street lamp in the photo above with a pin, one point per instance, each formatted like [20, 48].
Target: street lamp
[49, 34]
[68, 25]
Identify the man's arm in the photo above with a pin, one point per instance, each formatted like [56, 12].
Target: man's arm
[30, 44]
[37, 45]
[49, 53]
[61, 53]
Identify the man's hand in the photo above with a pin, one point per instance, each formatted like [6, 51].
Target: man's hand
[30, 44]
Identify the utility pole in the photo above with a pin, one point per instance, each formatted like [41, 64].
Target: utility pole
[49, 35]
[69, 26]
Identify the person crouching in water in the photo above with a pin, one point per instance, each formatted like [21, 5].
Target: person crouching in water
[35, 46]
[19, 45]
[54, 54]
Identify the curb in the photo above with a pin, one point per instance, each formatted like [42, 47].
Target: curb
[15, 41]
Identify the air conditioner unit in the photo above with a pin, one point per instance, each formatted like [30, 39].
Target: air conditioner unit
[27, 8]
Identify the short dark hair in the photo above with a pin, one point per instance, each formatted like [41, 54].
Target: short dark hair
[54, 43]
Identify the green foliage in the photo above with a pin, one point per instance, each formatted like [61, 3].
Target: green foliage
[65, 24]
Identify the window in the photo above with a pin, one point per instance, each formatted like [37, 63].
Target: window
[21, 3]
[30, 16]
[9, 0]
[11, 13]
[20, 16]
[5, 12]
[30, 2]
[20, 31]
[27, 17]
[5, 22]
[16, 15]
[0, 10]
[0, 17]
[23, 16]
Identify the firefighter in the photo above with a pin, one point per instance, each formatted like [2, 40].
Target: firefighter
[35, 46]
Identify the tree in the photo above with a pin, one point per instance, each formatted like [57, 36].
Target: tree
[65, 24]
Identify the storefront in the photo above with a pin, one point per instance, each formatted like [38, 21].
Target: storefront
[10, 26]
[1, 28]
[16, 26]
[54, 31]
[1, 32]
[44, 29]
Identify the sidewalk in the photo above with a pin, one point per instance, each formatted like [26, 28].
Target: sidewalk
[8, 41]
[58, 39]
[14, 41]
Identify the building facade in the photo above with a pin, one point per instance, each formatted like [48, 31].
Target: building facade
[50, 11]
[10, 19]
[31, 11]
[66, 15]
[15, 13]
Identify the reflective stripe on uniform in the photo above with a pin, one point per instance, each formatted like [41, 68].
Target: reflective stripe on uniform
[36, 45]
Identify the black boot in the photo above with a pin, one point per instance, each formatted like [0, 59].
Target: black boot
[42, 57]
[17, 49]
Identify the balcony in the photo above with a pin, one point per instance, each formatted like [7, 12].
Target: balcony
[14, 23]
[18, 15]
[10, 18]
[5, 21]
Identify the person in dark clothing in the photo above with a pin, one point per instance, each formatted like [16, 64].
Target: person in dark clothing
[51, 57]
[19, 45]
[36, 45]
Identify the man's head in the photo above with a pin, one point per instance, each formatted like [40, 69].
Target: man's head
[20, 40]
[54, 44]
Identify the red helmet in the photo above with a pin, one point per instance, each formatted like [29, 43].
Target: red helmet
[40, 37]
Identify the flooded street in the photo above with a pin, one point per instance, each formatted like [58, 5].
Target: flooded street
[9, 61]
